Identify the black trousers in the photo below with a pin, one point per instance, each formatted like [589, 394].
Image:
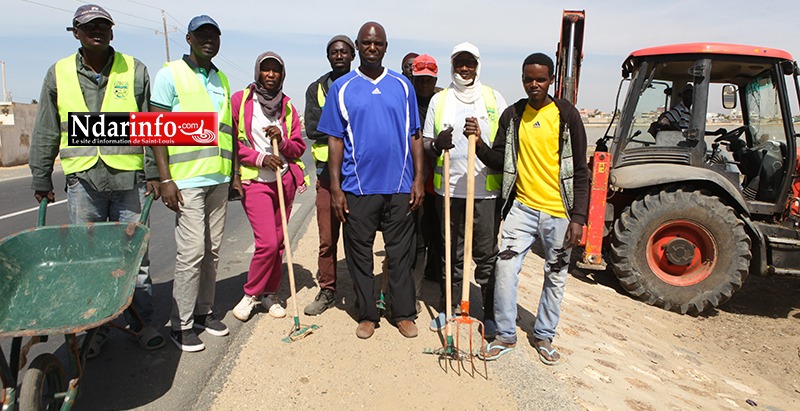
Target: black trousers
[429, 232]
[392, 215]
[486, 227]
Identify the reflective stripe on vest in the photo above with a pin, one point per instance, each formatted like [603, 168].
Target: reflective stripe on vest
[119, 97]
[320, 150]
[251, 172]
[494, 179]
[193, 161]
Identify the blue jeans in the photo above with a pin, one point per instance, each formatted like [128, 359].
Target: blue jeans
[521, 228]
[87, 205]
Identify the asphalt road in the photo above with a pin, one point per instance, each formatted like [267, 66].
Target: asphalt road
[125, 376]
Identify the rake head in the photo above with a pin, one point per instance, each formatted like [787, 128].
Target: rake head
[455, 348]
[299, 331]
[448, 351]
[381, 303]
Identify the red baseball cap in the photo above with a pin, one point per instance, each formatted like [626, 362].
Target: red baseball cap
[425, 65]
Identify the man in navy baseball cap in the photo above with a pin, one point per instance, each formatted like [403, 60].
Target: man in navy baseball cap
[89, 12]
[106, 183]
[200, 21]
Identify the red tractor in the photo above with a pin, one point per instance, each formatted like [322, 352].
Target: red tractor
[684, 210]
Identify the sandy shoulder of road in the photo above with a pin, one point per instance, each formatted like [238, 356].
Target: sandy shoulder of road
[618, 354]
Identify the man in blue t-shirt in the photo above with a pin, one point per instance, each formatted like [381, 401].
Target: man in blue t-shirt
[376, 173]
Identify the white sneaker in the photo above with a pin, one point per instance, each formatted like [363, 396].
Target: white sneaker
[273, 305]
[245, 307]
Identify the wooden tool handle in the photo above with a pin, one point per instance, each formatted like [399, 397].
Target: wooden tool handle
[286, 243]
[448, 274]
[469, 217]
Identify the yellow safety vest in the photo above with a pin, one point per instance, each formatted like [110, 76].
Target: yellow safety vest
[320, 150]
[192, 161]
[251, 172]
[119, 97]
[494, 179]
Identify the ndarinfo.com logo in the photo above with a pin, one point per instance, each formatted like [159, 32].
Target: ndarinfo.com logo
[143, 129]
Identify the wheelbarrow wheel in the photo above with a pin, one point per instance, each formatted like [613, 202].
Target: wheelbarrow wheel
[43, 380]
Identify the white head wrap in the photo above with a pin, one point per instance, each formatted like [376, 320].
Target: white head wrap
[463, 90]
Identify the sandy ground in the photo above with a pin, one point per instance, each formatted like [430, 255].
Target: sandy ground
[617, 353]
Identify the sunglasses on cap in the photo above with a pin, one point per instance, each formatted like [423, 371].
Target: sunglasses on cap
[95, 25]
[422, 65]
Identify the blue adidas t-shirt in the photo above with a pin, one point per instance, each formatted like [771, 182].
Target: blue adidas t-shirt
[377, 119]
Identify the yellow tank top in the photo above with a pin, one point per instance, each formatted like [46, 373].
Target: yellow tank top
[538, 165]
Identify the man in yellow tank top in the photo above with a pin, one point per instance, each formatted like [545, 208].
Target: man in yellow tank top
[541, 148]
[104, 183]
[537, 184]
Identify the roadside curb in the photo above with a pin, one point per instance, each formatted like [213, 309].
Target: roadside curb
[22, 171]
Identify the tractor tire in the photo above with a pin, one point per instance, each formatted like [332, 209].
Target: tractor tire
[680, 250]
[43, 379]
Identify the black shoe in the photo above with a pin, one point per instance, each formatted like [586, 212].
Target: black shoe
[187, 340]
[212, 325]
[322, 302]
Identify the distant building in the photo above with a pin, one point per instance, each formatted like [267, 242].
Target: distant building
[16, 127]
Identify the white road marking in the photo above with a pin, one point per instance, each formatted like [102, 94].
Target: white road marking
[16, 213]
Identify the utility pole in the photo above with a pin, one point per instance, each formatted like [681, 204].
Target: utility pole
[166, 39]
[3, 63]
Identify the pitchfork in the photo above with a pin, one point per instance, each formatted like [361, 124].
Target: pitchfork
[452, 346]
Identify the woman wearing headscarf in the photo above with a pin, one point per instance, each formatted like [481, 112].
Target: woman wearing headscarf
[261, 113]
[466, 106]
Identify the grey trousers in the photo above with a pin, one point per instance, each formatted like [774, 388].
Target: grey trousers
[198, 236]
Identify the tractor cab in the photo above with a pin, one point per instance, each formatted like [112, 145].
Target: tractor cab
[701, 186]
[669, 130]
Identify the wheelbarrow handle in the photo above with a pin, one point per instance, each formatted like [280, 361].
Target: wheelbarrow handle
[42, 211]
[148, 202]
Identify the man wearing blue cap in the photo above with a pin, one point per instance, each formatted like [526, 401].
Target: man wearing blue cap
[104, 183]
[195, 181]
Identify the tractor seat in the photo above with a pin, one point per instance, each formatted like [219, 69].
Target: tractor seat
[669, 138]
[764, 166]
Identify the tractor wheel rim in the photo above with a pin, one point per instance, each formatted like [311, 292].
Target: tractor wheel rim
[702, 263]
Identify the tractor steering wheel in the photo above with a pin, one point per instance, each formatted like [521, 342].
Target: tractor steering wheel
[731, 136]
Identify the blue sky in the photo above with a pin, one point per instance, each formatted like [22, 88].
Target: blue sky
[33, 36]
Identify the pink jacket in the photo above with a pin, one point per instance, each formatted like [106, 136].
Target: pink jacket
[292, 147]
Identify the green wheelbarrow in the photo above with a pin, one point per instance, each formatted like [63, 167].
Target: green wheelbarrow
[61, 280]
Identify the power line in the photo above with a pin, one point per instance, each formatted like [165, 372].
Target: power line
[47, 5]
[122, 12]
[236, 66]
[134, 25]
[72, 11]
[183, 46]
[142, 4]
[173, 18]
[220, 56]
